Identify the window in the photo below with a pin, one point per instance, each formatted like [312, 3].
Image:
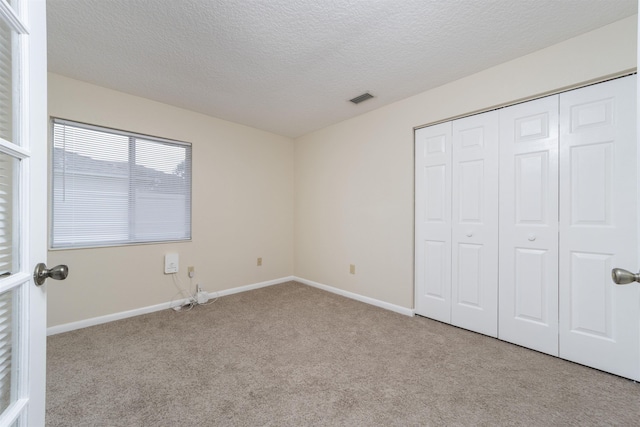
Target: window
[112, 187]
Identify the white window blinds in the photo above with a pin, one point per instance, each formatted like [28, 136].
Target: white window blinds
[7, 352]
[6, 71]
[113, 187]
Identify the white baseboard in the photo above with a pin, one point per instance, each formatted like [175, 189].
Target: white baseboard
[58, 329]
[164, 306]
[250, 287]
[66, 327]
[357, 297]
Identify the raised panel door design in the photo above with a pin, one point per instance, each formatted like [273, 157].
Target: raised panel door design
[470, 275]
[531, 127]
[435, 144]
[435, 269]
[470, 194]
[531, 188]
[435, 182]
[531, 286]
[586, 116]
[472, 138]
[474, 288]
[433, 222]
[591, 304]
[591, 184]
[528, 293]
[599, 323]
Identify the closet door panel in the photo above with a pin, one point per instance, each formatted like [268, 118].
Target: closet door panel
[528, 296]
[599, 323]
[433, 222]
[474, 289]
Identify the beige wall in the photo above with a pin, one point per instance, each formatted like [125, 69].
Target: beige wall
[242, 209]
[354, 180]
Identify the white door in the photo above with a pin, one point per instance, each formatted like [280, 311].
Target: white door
[599, 321]
[474, 259]
[433, 222]
[528, 303]
[23, 207]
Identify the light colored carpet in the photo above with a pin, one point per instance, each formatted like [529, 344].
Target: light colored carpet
[292, 355]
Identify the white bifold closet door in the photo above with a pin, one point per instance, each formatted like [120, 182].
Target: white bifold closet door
[457, 214]
[528, 300]
[599, 321]
[565, 170]
[433, 222]
[474, 261]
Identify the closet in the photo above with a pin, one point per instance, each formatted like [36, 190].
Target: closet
[522, 212]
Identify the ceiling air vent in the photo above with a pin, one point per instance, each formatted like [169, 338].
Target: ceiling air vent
[361, 98]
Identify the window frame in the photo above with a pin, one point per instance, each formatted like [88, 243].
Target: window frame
[132, 136]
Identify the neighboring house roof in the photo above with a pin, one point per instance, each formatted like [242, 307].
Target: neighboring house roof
[149, 178]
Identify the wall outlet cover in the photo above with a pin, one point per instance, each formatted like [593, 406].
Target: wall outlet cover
[171, 262]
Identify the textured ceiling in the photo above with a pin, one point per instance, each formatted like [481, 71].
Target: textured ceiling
[290, 66]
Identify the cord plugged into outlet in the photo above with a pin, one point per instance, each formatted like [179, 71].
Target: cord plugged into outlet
[200, 297]
[188, 305]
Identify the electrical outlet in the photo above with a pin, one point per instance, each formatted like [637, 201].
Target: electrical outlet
[191, 271]
[352, 269]
[259, 263]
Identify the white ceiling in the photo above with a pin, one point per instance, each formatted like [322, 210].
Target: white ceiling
[290, 66]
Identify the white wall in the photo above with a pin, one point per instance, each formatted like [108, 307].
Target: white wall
[354, 180]
[242, 209]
